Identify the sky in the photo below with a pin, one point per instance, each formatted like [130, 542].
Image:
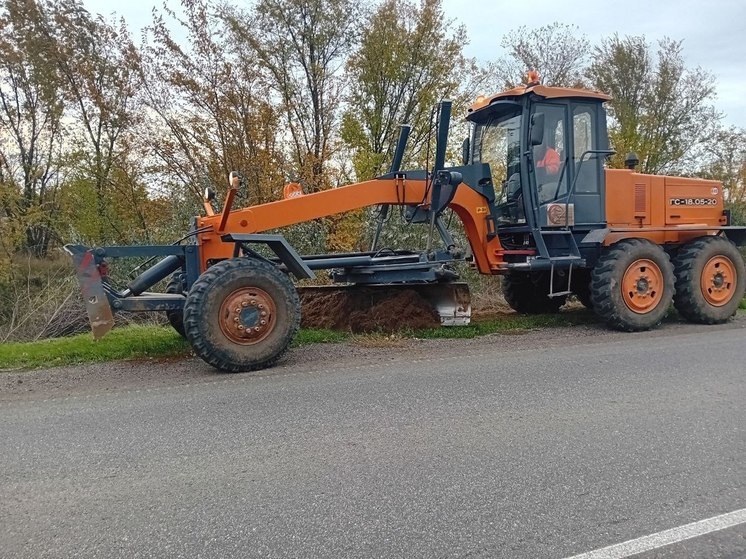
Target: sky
[713, 31]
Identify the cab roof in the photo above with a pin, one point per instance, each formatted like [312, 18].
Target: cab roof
[540, 90]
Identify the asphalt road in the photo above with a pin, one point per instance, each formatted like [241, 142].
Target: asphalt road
[549, 444]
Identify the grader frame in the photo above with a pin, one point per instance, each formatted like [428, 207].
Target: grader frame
[623, 242]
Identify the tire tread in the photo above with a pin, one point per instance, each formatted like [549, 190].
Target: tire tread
[194, 313]
[607, 275]
[526, 294]
[688, 302]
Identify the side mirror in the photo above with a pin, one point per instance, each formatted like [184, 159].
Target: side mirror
[537, 129]
[465, 151]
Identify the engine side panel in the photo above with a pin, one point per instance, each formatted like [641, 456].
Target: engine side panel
[692, 201]
[654, 201]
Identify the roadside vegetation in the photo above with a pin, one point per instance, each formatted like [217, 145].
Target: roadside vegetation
[106, 139]
[142, 342]
[161, 342]
[130, 342]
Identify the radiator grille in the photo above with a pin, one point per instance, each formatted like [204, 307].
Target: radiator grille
[641, 199]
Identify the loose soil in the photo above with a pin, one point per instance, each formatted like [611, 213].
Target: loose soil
[366, 309]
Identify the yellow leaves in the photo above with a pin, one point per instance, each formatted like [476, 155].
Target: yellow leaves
[345, 231]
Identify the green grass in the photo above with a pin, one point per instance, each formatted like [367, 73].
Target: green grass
[508, 323]
[132, 342]
[138, 342]
[318, 336]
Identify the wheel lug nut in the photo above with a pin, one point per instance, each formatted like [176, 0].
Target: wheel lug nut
[263, 322]
[264, 313]
[261, 306]
[238, 309]
[240, 326]
[244, 304]
[235, 320]
[257, 329]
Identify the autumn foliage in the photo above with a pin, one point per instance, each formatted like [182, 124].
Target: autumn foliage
[105, 138]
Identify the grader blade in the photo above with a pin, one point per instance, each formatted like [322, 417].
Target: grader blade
[388, 308]
[96, 303]
[452, 302]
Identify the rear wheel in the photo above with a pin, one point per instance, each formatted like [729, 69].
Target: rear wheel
[528, 293]
[176, 318]
[241, 315]
[710, 280]
[632, 285]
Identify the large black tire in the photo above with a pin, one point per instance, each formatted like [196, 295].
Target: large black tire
[241, 315]
[635, 262]
[528, 293]
[710, 280]
[581, 287]
[176, 318]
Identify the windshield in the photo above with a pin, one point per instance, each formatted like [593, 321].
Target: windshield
[498, 143]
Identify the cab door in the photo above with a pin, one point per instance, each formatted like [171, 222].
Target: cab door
[587, 169]
[564, 172]
[550, 170]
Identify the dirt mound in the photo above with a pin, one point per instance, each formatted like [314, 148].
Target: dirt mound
[366, 309]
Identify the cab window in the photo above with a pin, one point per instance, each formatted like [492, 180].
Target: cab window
[549, 157]
[583, 127]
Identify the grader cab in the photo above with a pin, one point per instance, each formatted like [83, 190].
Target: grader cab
[537, 206]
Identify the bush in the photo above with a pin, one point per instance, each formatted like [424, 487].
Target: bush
[40, 298]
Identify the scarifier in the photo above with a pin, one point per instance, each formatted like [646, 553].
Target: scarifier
[625, 243]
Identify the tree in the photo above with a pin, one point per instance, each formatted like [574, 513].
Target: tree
[724, 160]
[409, 58]
[301, 48]
[660, 109]
[31, 109]
[98, 64]
[557, 51]
[213, 112]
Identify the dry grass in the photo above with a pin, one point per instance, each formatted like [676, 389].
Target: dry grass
[34, 296]
[40, 298]
[376, 340]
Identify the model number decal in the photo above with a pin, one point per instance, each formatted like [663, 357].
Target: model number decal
[694, 201]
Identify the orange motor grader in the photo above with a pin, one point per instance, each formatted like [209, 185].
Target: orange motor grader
[537, 206]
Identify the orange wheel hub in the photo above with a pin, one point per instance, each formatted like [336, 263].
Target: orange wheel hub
[247, 315]
[642, 286]
[718, 281]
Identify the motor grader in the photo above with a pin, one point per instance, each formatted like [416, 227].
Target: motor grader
[537, 206]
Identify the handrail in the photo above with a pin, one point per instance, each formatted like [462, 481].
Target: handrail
[577, 174]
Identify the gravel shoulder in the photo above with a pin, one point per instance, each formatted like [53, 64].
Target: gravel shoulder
[95, 378]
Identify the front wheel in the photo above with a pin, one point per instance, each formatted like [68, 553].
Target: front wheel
[241, 315]
[528, 293]
[710, 280]
[632, 285]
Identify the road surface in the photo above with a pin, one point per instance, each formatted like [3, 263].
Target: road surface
[551, 444]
